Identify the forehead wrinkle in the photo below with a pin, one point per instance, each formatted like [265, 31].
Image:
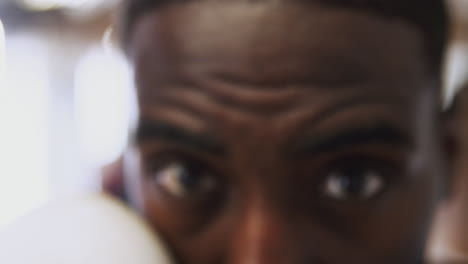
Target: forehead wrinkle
[174, 115]
[252, 98]
[214, 105]
[195, 103]
[180, 42]
[307, 117]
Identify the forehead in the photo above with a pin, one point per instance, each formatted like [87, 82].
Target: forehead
[270, 42]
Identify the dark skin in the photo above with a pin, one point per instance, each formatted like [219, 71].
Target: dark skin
[284, 133]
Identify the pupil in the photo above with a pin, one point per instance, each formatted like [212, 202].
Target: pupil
[188, 178]
[353, 181]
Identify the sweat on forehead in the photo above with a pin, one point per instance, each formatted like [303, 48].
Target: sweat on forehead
[430, 16]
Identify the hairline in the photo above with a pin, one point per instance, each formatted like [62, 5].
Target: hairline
[434, 30]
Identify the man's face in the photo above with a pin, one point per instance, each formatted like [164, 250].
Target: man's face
[283, 133]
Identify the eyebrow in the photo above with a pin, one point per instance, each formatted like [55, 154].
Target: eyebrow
[164, 131]
[376, 133]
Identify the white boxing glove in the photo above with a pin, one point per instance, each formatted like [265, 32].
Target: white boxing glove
[94, 229]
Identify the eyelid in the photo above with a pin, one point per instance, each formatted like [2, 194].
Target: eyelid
[314, 173]
[161, 151]
[166, 132]
[176, 186]
[380, 133]
[160, 159]
[195, 204]
[370, 161]
[392, 156]
[161, 155]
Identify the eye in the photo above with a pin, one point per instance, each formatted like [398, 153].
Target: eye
[353, 183]
[183, 180]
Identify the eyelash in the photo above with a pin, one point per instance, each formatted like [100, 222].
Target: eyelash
[161, 158]
[158, 155]
[390, 164]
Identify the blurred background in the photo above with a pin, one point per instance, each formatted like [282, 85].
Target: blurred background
[63, 99]
[64, 96]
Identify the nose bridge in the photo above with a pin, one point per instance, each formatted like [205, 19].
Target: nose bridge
[265, 234]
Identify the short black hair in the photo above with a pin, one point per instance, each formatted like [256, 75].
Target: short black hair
[430, 16]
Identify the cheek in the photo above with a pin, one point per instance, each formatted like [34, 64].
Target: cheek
[402, 220]
[192, 235]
